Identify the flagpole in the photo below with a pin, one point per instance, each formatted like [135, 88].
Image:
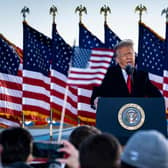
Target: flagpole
[24, 11]
[63, 113]
[65, 101]
[23, 119]
[53, 11]
[51, 126]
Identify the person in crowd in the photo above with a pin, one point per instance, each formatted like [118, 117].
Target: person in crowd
[99, 151]
[145, 149]
[0, 155]
[17, 147]
[124, 80]
[80, 133]
[71, 147]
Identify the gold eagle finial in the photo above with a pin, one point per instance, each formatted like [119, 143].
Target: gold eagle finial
[53, 11]
[140, 8]
[80, 9]
[105, 9]
[25, 10]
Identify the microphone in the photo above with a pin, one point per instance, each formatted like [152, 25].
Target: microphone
[129, 69]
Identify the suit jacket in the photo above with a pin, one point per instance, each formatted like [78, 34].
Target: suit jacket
[114, 85]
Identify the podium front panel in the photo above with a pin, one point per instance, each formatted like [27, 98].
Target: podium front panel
[108, 114]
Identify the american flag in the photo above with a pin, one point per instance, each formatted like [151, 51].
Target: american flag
[89, 66]
[88, 69]
[10, 84]
[36, 74]
[151, 55]
[87, 39]
[61, 55]
[165, 72]
[111, 39]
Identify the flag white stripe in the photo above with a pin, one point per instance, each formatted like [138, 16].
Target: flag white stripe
[156, 78]
[86, 70]
[35, 102]
[102, 52]
[9, 122]
[102, 65]
[11, 78]
[100, 58]
[36, 75]
[165, 84]
[60, 102]
[84, 106]
[84, 82]
[165, 72]
[60, 88]
[11, 92]
[57, 74]
[87, 76]
[10, 105]
[96, 69]
[35, 89]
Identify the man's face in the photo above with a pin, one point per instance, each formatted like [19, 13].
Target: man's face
[125, 56]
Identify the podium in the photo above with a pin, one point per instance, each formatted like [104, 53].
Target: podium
[124, 116]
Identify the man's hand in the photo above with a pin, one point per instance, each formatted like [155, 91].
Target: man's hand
[94, 106]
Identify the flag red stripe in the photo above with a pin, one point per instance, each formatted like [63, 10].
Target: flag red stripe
[12, 112]
[103, 49]
[86, 73]
[34, 95]
[36, 82]
[86, 79]
[158, 85]
[165, 93]
[59, 110]
[58, 91]
[9, 98]
[165, 80]
[11, 85]
[34, 109]
[87, 114]
[58, 81]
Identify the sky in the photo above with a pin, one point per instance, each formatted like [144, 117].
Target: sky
[123, 20]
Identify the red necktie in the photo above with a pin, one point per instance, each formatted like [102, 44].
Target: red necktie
[129, 83]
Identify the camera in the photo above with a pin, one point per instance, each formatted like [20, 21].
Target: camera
[47, 149]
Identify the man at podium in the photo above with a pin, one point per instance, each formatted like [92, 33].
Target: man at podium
[124, 80]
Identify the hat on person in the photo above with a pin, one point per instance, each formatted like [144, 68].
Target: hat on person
[146, 149]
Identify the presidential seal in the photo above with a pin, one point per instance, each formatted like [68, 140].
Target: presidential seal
[131, 116]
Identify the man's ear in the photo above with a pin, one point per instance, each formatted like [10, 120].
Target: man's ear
[116, 60]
